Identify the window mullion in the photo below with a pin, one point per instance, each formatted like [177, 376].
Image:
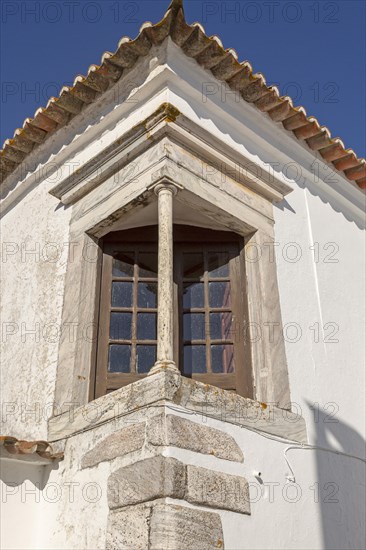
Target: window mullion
[207, 313]
[133, 366]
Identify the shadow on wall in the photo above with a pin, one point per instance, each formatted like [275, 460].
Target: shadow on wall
[341, 483]
[16, 473]
[24, 502]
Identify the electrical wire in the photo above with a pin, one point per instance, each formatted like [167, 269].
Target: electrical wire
[279, 439]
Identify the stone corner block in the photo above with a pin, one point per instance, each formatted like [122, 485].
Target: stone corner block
[217, 490]
[183, 433]
[146, 480]
[129, 528]
[174, 527]
[120, 443]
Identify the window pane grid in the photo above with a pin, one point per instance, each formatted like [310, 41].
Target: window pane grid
[208, 346]
[205, 281]
[135, 347]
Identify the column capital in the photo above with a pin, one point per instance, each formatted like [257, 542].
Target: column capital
[167, 184]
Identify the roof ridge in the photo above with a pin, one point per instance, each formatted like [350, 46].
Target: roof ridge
[176, 5]
[211, 55]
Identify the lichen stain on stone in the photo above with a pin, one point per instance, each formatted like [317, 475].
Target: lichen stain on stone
[171, 112]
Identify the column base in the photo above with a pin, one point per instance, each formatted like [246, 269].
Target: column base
[161, 366]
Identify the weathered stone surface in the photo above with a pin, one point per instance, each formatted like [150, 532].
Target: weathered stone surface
[129, 528]
[217, 490]
[229, 407]
[200, 398]
[143, 393]
[146, 480]
[180, 432]
[120, 443]
[175, 527]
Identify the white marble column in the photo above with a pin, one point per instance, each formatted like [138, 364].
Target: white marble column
[165, 334]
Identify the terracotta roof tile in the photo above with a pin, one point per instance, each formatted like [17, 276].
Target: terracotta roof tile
[15, 446]
[210, 54]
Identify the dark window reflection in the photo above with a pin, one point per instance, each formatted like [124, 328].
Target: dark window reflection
[122, 294]
[222, 359]
[146, 357]
[146, 326]
[121, 326]
[219, 294]
[193, 295]
[119, 358]
[221, 326]
[194, 360]
[194, 326]
[147, 295]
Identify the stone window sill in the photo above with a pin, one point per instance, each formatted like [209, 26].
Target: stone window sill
[171, 388]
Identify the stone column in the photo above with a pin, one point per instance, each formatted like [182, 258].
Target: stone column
[165, 336]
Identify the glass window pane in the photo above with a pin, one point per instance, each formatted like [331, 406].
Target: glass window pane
[119, 358]
[193, 295]
[123, 264]
[121, 326]
[220, 326]
[122, 294]
[219, 294]
[218, 264]
[147, 295]
[193, 265]
[222, 359]
[146, 357]
[146, 326]
[148, 264]
[194, 326]
[194, 359]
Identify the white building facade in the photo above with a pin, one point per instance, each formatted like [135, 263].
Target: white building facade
[182, 312]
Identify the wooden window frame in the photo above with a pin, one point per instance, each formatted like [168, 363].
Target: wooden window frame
[184, 236]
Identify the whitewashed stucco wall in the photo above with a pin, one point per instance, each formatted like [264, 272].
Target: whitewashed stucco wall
[324, 287]
[34, 235]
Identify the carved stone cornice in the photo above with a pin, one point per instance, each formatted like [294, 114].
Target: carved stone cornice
[167, 121]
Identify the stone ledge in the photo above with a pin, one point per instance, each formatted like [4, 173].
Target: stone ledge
[165, 430]
[167, 387]
[163, 526]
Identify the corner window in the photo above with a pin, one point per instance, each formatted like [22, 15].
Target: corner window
[210, 309]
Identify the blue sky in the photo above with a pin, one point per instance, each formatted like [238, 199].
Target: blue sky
[313, 50]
